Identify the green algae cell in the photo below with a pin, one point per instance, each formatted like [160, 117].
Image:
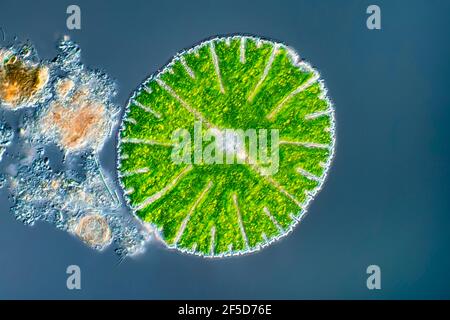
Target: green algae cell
[239, 83]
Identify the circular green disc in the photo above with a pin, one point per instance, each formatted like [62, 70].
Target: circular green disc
[255, 191]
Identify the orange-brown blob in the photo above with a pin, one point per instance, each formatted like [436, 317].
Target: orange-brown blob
[94, 230]
[19, 82]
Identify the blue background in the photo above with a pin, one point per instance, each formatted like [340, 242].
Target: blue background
[386, 201]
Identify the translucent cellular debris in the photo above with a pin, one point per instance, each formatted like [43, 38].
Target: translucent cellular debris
[6, 136]
[228, 92]
[51, 169]
[80, 115]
